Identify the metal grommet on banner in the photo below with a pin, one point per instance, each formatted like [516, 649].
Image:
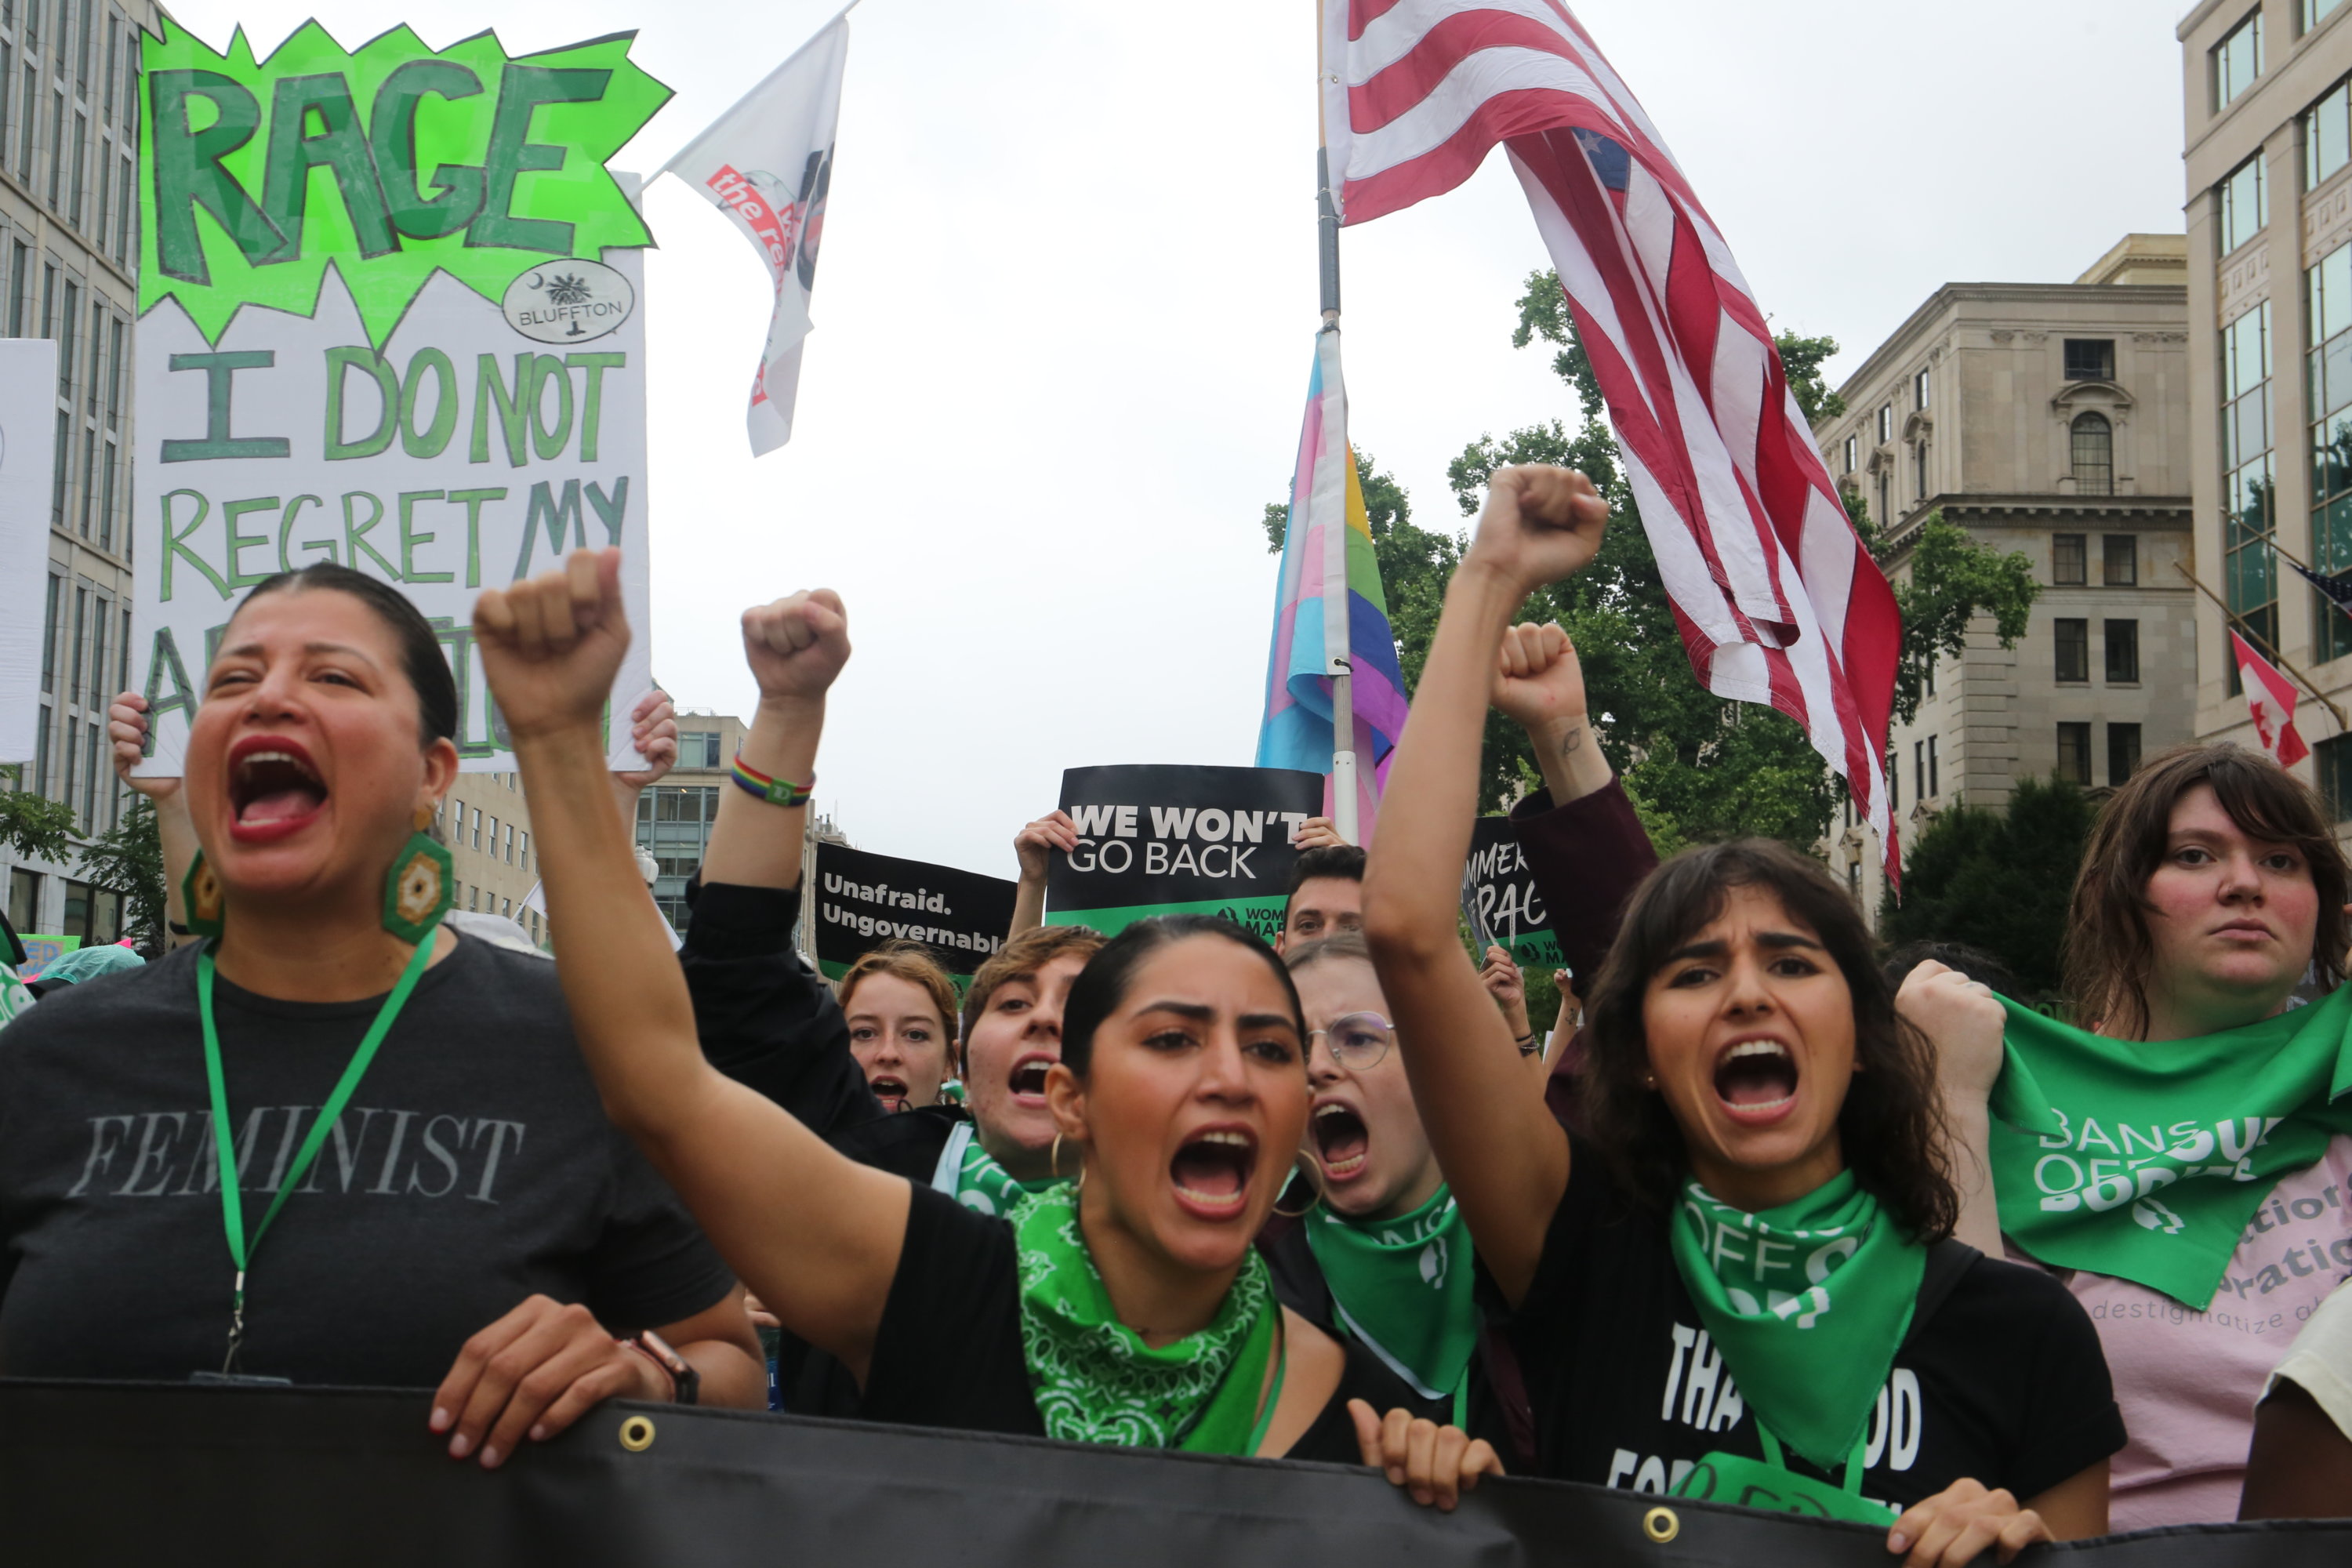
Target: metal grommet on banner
[637, 1436]
[1660, 1525]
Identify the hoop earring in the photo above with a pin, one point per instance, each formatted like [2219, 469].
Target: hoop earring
[1304, 1166]
[1054, 1160]
[203, 898]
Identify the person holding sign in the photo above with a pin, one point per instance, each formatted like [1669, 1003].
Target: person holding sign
[1736, 1284]
[1126, 1307]
[401, 1175]
[2184, 1158]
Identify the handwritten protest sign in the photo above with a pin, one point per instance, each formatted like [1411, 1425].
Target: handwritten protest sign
[864, 900]
[391, 318]
[1164, 840]
[1499, 900]
[28, 410]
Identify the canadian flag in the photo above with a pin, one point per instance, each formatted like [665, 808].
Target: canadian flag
[2270, 700]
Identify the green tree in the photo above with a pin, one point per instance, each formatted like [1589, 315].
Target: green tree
[1953, 580]
[33, 826]
[1998, 883]
[128, 858]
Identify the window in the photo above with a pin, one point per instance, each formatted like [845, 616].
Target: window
[1919, 390]
[2123, 753]
[2237, 61]
[2327, 368]
[525, 861]
[2073, 637]
[2074, 753]
[2090, 359]
[23, 264]
[2066, 560]
[1886, 425]
[494, 839]
[2334, 758]
[2093, 455]
[1852, 445]
[2123, 560]
[2249, 575]
[49, 635]
[1934, 771]
[1928, 674]
[77, 920]
[1853, 879]
[510, 849]
[478, 827]
[1894, 779]
[25, 900]
[2316, 11]
[1883, 513]
[1919, 769]
[2327, 135]
[505, 908]
[2123, 651]
[1919, 471]
[2245, 206]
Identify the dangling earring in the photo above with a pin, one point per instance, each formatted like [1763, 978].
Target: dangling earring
[1306, 1167]
[420, 887]
[206, 903]
[1054, 1160]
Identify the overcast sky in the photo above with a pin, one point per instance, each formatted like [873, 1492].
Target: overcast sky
[1065, 315]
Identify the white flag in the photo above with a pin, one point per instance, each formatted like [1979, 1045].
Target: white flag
[768, 164]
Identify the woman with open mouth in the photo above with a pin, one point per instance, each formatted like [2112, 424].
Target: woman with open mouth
[901, 1009]
[1126, 1307]
[2180, 1160]
[1737, 1284]
[396, 1174]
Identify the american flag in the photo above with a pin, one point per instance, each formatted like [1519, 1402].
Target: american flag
[1776, 600]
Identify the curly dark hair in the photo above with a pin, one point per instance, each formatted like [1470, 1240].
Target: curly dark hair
[1891, 1126]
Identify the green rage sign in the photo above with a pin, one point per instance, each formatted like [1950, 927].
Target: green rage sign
[392, 161]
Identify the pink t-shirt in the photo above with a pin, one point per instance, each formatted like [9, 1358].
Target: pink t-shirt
[2187, 1382]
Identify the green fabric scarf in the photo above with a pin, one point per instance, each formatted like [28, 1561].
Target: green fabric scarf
[2146, 1160]
[1095, 1379]
[1809, 1302]
[1404, 1287]
[970, 1174]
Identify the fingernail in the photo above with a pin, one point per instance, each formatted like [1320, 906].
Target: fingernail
[460, 1445]
[439, 1420]
[539, 1434]
[1898, 1541]
[489, 1458]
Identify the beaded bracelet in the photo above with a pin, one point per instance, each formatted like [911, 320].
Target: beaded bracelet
[774, 791]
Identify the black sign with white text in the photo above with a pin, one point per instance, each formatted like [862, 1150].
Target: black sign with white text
[862, 900]
[1164, 840]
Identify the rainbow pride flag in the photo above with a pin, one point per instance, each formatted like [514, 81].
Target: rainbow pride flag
[1329, 612]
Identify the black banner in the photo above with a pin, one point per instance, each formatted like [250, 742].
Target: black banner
[1500, 901]
[124, 1473]
[863, 900]
[1163, 840]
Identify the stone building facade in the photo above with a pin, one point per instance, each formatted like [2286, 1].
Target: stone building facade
[2267, 91]
[674, 817]
[2049, 419]
[69, 264]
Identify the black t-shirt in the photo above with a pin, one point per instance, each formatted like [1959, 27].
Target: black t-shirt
[949, 1351]
[472, 1168]
[2004, 1384]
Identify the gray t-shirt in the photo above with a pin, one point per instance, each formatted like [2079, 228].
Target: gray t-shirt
[473, 1167]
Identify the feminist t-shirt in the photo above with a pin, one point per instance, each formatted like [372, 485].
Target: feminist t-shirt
[2002, 1384]
[473, 1168]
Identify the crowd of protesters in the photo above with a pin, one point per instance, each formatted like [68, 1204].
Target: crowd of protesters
[1766, 1219]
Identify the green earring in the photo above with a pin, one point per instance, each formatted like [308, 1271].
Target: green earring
[203, 902]
[419, 890]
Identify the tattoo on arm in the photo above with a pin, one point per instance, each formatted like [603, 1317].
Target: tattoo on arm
[1571, 741]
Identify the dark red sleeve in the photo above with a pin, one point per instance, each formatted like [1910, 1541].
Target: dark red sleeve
[1586, 858]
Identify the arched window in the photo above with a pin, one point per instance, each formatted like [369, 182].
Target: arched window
[2095, 456]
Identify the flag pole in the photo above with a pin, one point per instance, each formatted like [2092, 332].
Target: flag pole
[1335, 540]
[2257, 638]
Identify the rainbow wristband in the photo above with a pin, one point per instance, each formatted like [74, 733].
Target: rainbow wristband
[774, 791]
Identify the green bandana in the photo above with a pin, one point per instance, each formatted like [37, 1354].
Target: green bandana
[1809, 1302]
[1095, 1379]
[970, 1174]
[1404, 1287]
[2146, 1160]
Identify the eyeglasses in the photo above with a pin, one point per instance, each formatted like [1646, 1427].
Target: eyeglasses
[1358, 1041]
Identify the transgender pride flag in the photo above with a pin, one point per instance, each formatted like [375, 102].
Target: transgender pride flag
[1330, 614]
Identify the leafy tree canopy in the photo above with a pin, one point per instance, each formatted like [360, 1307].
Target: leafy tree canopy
[34, 826]
[128, 858]
[1999, 883]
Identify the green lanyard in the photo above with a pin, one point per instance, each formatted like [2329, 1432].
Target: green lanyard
[232, 1201]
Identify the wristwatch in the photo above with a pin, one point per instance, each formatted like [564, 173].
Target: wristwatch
[685, 1382]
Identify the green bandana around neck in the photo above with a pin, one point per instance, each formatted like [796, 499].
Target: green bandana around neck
[1404, 1287]
[2146, 1160]
[1094, 1378]
[1808, 1302]
[970, 1174]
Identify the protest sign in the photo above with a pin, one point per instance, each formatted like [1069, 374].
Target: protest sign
[289, 1478]
[1499, 900]
[41, 952]
[28, 414]
[1166, 840]
[390, 317]
[864, 900]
